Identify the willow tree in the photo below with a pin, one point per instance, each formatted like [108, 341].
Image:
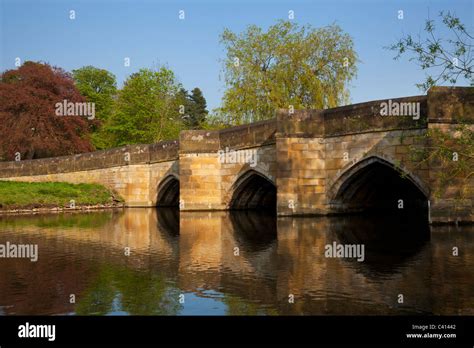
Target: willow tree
[287, 66]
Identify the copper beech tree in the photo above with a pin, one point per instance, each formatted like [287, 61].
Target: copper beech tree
[29, 126]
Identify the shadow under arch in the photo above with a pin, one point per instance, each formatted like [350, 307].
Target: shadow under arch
[254, 231]
[168, 192]
[374, 184]
[168, 221]
[253, 190]
[390, 242]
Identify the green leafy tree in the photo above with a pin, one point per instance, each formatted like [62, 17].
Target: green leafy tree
[147, 108]
[285, 66]
[100, 87]
[215, 121]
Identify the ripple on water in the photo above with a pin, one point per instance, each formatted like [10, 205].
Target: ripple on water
[195, 255]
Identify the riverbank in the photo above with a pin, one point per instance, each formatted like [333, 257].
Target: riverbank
[37, 197]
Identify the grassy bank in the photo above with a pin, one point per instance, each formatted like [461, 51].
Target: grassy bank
[31, 195]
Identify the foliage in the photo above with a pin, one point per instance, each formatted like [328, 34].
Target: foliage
[286, 65]
[452, 151]
[450, 58]
[15, 195]
[147, 109]
[215, 121]
[99, 86]
[28, 122]
[195, 108]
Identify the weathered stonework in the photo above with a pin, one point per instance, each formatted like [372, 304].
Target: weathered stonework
[306, 162]
[319, 150]
[132, 171]
[454, 201]
[207, 180]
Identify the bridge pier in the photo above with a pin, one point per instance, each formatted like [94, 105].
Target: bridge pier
[301, 178]
[319, 152]
[307, 162]
[214, 164]
[454, 198]
[200, 171]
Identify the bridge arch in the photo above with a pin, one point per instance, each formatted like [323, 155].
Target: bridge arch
[253, 190]
[168, 192]
[375, 183]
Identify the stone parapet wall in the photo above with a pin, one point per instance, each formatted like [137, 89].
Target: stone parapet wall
[306, 156]
[350, 119]
[117, 157]
[207, 181]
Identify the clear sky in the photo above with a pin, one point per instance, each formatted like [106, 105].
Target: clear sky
[150, 33]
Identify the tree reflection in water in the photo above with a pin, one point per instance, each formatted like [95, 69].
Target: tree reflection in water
[122, 290]
[194, 253]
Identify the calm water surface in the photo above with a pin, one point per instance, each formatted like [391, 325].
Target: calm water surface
[233, 264]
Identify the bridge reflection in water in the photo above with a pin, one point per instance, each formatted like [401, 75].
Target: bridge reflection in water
[233, 263]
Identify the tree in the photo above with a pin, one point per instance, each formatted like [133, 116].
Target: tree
[99, 86]
[198, 108]
[194, 108]
[449, 58]
[286, 66]
[147, 108]
[28, 121]
[182, 98]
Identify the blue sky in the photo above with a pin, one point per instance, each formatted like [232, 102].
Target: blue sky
[150, 33]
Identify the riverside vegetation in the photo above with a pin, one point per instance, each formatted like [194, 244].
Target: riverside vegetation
[33, 195]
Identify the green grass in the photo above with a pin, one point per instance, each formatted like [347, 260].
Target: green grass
[16, 195]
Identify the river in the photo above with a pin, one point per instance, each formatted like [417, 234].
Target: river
[162, 262]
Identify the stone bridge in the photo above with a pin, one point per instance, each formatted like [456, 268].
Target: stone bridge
[306, 162]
